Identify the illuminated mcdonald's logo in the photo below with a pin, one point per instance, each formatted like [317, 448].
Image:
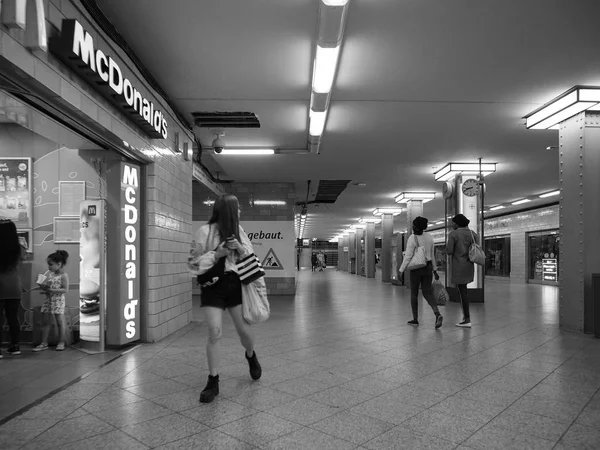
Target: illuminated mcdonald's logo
[28, 15]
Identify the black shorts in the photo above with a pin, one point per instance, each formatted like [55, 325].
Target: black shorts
[227, 293]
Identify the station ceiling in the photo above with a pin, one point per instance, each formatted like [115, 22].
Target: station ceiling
[420, 83]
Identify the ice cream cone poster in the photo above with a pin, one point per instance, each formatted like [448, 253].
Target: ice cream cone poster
[91, 253]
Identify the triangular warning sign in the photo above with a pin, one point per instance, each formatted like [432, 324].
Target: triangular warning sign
[271, 261]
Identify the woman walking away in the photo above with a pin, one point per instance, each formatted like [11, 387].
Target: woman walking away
[463, 270]
[424, 275]
[222, 237]
[54, 288]
[11, 255]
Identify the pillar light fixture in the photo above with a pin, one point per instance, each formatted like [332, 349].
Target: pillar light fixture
[360, 226]
[406, 197]
[450, 170]
[566, 105]
[381, 211]
[369, 220]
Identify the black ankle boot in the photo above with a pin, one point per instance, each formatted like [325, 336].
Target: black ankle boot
[211, 390]
[255, 369]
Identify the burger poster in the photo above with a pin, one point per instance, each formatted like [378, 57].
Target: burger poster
[15, 191]
[91, 267]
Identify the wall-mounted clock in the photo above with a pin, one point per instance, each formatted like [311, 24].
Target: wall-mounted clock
[447, 189]
[470, 187]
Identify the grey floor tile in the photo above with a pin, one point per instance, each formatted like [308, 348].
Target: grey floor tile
[136, 377]
[55, 408]
[370, 385]
[69, 431]
[387, 409]
[300, 387]
[403, 438]
[164, 430]
[308, 438]
[208, 440]
[454, 427]
[179, 401]
[352, 427]
[589, 417]
[493, 438]
[156, 388]
[259, 429]
[19, 432]
[104, 376]
[488, 394]
[111, 397]
[340, 397]
[121, 415]
[561, 411]
[421, 397]
[468, 409]
[303, 411]
[439, 384]
[85, 391]
[113, 440]
[531, 424]
[219, 412]
[582, 437]
[262, 399]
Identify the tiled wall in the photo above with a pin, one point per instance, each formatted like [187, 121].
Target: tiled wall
[517, 226]
[246, 194]
[166, 294]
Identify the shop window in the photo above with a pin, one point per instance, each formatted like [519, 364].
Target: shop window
[497, 251]
[440, 256]
[544, 258]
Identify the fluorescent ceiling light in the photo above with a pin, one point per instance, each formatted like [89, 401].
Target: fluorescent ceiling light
[496, 208]
[317, 122]
[450, 170]
[381, 211]
[520, 202]
[405, 197]
[566, 105]
[369, 220]
[270, 202]
[441, 222]
[550, 194]
[335, 2]
[325, 64]
[248, 152]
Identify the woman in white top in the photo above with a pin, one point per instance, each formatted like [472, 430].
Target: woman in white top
[222, 238]
[423, 276]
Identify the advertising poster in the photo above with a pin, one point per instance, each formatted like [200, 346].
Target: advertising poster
[91, 253]
[274, 244]
[15, 191]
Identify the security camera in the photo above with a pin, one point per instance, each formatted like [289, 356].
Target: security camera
[218, 144]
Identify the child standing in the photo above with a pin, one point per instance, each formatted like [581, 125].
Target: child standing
[54, 288]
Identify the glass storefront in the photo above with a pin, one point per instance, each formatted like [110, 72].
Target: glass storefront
[497, 251]
[544, 256]
[440, 256]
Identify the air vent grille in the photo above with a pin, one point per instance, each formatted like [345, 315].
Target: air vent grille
[329, 190]
[226, 120]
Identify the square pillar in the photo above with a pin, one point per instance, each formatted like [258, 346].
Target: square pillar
[579, 252]
[387, 229]
[359, 254]
[352, 252]
[370, 250]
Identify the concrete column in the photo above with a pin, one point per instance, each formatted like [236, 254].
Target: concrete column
[414, 209]
[387, 229]
[358, 247]
[352, 252]
[345, 254]
[340, 253]
[579, 255]
[370, 250]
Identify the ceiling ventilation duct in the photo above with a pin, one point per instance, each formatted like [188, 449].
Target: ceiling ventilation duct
[329, 190]
[226, 119]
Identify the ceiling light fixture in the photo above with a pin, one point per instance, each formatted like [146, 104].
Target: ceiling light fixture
[332, 19]
[450, 170]
[520, 202]
[566, 105]
[270, 202]
[550, 194]
[381, 211]
[496, 208]
[406, 197]
[248, 151]
[369, 220]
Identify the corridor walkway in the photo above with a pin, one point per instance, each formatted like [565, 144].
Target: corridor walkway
[342, 370]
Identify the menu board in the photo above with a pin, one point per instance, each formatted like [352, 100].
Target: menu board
[70, 196]
[15, 191]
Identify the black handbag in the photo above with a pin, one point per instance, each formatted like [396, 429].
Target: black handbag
[213, 275]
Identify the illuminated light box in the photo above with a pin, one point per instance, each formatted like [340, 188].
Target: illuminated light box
[406, 197]
[450, 170]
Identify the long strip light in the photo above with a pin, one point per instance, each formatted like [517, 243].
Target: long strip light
[496, 208]
[325, 65]
[566, 105]
[520, 202]
[405, 197]
[450, 170]
[317, 122]
[247, 151]
[550, 194]
[270, 202]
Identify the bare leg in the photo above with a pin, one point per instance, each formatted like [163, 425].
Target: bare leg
[214, 321]
[243, 329]
[61, 322]
[48, 319]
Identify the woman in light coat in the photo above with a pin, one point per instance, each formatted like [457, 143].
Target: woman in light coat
[463, 270]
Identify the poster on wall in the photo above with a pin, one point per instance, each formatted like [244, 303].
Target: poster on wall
[15, 191]
[25, 240]
[91, 268]
[274, 245]
[70, 196]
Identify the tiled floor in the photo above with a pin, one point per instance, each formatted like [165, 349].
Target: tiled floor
[342, 370]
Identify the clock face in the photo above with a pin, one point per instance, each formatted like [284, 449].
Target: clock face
[470, 187]
[447, 189]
